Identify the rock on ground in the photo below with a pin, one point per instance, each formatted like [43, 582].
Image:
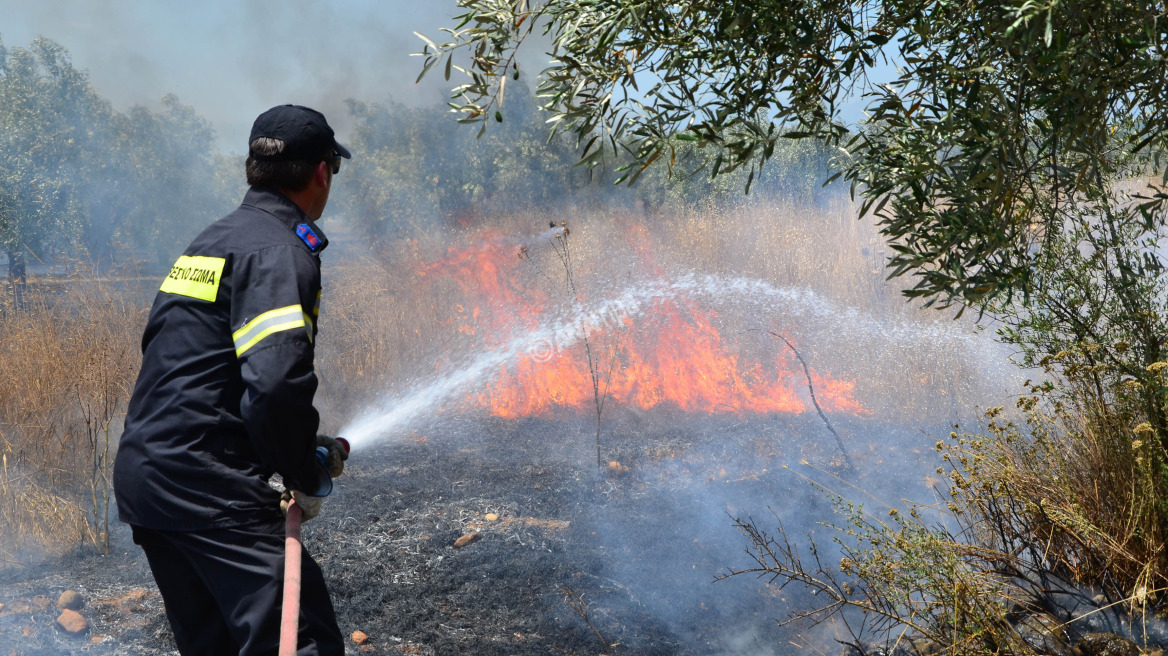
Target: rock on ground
[70, 600]
[72, 622]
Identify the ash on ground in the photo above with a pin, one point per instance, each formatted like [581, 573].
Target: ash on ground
[556, 553]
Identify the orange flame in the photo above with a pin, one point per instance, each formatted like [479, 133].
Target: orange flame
[670, 356]
[673, 357]
[487, 278]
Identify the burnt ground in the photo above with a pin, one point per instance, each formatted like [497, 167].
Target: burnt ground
[580, 560]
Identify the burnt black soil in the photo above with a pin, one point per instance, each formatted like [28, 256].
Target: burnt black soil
[580, 560]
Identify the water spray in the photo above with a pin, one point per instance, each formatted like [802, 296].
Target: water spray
[396, 411]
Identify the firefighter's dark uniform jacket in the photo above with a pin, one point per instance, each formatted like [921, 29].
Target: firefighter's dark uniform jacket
[224, 397]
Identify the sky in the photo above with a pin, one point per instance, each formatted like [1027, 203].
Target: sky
[233, 59]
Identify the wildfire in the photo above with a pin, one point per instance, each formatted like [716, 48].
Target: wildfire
[486, 277]
[670, 355]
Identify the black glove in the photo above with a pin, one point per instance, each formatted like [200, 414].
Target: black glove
[337, 455]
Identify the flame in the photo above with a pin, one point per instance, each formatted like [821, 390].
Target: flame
[486, 274]
[673, 357]
[669, 356]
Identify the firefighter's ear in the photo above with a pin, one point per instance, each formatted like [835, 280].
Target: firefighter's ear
[322, 175]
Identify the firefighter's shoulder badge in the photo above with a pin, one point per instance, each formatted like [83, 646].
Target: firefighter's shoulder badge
[308, 236]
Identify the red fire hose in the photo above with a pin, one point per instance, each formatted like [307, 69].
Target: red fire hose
[290, 617]
[290, 611]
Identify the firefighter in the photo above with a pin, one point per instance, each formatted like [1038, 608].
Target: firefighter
[224, 401]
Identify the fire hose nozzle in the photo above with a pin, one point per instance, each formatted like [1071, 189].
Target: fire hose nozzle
[322, 456]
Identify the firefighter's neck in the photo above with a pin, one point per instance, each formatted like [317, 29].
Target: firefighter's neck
[314, 196]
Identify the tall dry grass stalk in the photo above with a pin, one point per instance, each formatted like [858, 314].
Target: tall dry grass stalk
[1077, 490]
[387, 321]
[71, 356]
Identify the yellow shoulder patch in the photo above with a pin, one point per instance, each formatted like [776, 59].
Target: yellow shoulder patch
[196, 276]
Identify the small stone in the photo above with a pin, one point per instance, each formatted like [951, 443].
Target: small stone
[468, 539]
[491, 517]
[70, 600]
[1044, 634]
[72, 622]
[28, 630]
[1107, 644]
[360, 638]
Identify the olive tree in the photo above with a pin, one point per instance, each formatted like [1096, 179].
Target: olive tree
[982, 121]
[45, 108]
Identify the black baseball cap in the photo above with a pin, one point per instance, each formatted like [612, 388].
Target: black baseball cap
[305, 133]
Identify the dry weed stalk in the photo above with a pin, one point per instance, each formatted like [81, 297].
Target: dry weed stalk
[811, 390]
[72, 353]
[564, 251]
[576, 602]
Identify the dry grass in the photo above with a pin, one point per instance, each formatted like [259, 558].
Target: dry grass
[386, 323]
[70, 358]
[378, 327]
[1082, 493]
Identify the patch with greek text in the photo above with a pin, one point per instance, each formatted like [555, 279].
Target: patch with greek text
[196, 276]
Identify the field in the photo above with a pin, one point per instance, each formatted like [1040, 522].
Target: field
[722, 347]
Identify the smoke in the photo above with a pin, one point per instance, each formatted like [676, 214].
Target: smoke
[852, 334]
[659, 523]
[232, 60]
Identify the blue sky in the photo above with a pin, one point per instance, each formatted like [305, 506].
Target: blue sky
[232, 59]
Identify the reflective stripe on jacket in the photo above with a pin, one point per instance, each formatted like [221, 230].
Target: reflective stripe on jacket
[224, 396]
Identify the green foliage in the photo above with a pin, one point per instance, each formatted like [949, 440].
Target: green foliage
[45, 105]
[983, 120]
[414, 174]
[77, 175]
[175, 184]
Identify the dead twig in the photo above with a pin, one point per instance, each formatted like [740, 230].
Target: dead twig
[811, 388]
[576, 602]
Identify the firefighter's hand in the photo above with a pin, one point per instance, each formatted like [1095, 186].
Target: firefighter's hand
[309, 506]
[337, 455]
